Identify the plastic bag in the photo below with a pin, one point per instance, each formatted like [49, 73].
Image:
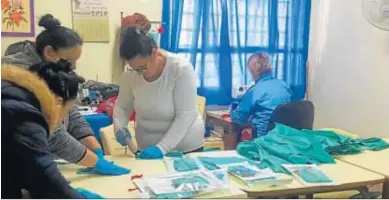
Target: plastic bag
[180, 185]
[309, 174]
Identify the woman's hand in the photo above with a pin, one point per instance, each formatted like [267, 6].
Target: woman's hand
[122, 135]
[109, 168]
[152, 152]
[89, 195]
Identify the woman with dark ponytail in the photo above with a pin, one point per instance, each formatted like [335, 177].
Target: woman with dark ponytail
[33, 102]
[73, 140]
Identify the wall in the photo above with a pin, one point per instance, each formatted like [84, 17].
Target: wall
[349, 69]
[98, 59]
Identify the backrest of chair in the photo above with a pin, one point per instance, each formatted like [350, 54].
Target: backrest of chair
[110, 145]
[296, 114]
[201, 105]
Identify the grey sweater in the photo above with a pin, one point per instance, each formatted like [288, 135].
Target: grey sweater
[64, 143]
[166, 113]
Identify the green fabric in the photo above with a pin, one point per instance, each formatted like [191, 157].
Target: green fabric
[373, 144]
[211, 163]
[189, 180]
[285, 145]
[241, 171]
[177, 195]
[173, 154]
[210, 149]
[185, 164]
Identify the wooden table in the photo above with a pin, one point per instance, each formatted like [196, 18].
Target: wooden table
[348, 176]
[375, 161]
[117, 186]
[231, 136]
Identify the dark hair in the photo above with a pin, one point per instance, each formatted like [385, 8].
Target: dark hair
[135, 42]
[55, 35]
[60, 78]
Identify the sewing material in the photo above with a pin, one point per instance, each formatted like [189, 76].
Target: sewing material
[213, 163]
[179, 185]
[285, 145]
[251, 175]
[134, 177]
[138, 176]
[175, 165]
[309, 174]
[222, 175]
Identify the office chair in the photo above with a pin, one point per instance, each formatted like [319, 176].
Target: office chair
[295, 114]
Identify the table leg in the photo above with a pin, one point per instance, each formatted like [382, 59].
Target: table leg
[385, 189]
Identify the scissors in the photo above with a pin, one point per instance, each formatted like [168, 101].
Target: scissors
[135, 153]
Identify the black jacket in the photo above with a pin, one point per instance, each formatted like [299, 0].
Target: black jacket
[29, 114]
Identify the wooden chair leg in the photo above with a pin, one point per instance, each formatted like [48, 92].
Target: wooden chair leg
[385, 190]
[309, 196]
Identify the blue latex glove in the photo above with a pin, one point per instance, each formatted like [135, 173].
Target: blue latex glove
[89, 195]
[121, 136]
[99, 152]
[152, 152]
[233, 106]
[108, 168]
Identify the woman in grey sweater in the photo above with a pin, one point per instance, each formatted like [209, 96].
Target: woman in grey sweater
[73, 140]
[161, 87]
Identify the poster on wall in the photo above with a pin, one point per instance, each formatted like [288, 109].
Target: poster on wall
[91, 19]
[17, 18]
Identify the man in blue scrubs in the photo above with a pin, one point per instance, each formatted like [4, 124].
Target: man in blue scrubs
[258, 103]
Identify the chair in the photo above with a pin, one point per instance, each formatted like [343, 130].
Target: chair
[201, 106]
[209, 142]
[295, 114]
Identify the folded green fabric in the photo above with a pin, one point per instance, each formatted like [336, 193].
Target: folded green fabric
[211, 163]
[210, 149]
[185, 165]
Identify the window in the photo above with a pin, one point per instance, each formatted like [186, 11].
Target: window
[247, 23]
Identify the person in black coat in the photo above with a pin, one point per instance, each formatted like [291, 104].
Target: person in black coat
[33, 102]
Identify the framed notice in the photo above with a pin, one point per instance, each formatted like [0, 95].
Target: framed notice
[17, 17]
[91, 20]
